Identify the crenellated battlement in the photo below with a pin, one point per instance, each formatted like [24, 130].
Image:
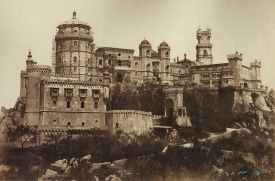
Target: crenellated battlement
[51, 81]
[256, 63]
[235, 56]
[129, 112]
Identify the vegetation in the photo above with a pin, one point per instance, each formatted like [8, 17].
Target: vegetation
[130, 95]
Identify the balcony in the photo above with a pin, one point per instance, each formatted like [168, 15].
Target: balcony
[83, 94]
[69, 94]
[54, 94]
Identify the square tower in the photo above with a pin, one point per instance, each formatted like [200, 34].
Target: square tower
[204, 48]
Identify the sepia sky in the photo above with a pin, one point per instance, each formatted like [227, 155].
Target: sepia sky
[125, 23]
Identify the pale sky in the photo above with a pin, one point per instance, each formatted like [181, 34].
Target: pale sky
[125, 23]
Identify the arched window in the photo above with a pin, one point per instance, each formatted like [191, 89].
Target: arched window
[82, 123]
[100, 62]
[75, 43]
[75, 59]
[119, 63]
[179, 71]
[147, 52]
[60, 60]
[109, 62]
[166, 54]
[96, 121]
[167, 68]
[82, 104]
[68, 104]
[148, 66]
[75, 31]
[136, 65]
[69, 123]
[95, 105]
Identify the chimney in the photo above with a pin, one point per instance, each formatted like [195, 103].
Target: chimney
[177, 58]
[185, 56]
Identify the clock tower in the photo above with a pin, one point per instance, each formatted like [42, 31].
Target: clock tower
[204, 48]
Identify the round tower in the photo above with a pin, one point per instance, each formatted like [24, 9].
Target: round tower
[74, 49]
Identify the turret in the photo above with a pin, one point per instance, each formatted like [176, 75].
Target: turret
[29, 61]
[256, 74]
[164, 53]
[235, 63]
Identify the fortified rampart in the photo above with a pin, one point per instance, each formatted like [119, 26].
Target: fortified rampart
[129, 121]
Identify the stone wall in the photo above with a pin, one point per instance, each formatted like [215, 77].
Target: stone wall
[129, 121]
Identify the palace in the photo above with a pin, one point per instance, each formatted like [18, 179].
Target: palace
[73, 92]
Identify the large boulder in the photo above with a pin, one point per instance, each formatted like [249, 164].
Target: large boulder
[87, 157]
[112, 178]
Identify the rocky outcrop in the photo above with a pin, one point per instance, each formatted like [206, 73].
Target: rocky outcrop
[10, 119]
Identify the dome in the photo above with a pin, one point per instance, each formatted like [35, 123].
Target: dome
[74, 20]
[164, 44]
[145, 42]
[154, 53]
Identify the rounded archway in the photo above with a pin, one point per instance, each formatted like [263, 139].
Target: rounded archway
[169, 107]
[245, 85]
[119, 78]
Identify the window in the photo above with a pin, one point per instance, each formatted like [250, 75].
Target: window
[109, 62]
[82, 124]
[116, 125]
[82, 104]
[74, 68]
[186, 66]
[100, 62]
[136, 65]
[119, 63]
[119, 54]
[75, 43]
[75, 31]
[148, 66]
[136, 73]
[75, 59]
[96, 105]
[96, 121]
[68, 104]
[167, 68]
[147, 52]
[60, 60]
[166, 54]
[54, 120]
[179, 71]
[69, 123]
[54, 103]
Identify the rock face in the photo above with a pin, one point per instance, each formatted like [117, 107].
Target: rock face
[10, 119]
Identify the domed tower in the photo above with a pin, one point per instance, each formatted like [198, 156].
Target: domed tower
[145, 50]
[164, 66]
[74, 49]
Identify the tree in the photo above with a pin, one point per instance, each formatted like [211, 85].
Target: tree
[23, 134]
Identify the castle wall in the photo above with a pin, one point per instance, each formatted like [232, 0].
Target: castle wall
[129, 121]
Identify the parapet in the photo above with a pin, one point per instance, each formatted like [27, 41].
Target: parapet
[39, 68]
[207, 32]
[70, 82]
[235, 56]
[129, 112]
[255, 64]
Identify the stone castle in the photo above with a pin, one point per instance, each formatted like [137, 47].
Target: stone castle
[73, 92]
